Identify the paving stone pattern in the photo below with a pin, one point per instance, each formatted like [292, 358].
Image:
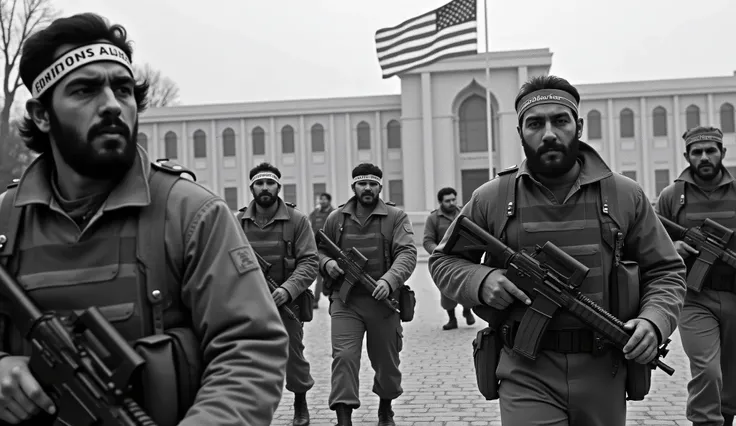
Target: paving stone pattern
[439, 379]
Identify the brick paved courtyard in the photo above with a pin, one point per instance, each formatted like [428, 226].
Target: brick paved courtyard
[438, 376]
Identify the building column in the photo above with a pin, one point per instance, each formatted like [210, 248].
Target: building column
[332, 147]
[303, 153]
[613, 162]
[183, 154]
[679, 147]
[348, 154]
[377, 142]
[214, 151]
[244, 153]
[153, 147]
[427, 148]
[646, 178]
[522, 75]
[711, 111]
[271, 148]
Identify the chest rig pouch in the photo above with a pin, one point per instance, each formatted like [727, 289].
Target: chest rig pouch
[171, 375]
[690, 210]
[406, 296]
[623, 297]
[302, 305]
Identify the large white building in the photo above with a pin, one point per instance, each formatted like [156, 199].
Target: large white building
[433, 134]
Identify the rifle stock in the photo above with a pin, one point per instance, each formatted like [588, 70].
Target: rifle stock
[87, 370]
[273, 285]
[352, 262]
[550, 278]
[710, 239]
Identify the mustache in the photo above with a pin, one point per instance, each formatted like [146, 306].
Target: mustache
[551, 147]
[112, 125]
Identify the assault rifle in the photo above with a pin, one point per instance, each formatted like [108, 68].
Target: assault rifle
[85, 369]
[550, 278]
[273, 285]
[710, 240]
[352, 262]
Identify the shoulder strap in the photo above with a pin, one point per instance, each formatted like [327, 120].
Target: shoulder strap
[288, 233]
[679, 197]
[507, 184]
[10, 218]
[160, 284]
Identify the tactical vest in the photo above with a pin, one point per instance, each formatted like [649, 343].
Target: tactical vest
[121, 274]
[691, 209]
[319, 218]
[586, 228]
[443, 224]
[373, 240]
[275, 244]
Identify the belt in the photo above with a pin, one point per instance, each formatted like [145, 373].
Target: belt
[563, 341]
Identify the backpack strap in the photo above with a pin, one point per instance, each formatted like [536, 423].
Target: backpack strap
[680, 197]
[340, 223]
[610, 211]
[160, 284]
[288, 233]
[387, 232]
[507, 184]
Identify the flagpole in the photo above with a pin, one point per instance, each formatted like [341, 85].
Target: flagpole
[489, 122]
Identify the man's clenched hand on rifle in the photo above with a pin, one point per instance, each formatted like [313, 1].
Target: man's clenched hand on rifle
[381, 292]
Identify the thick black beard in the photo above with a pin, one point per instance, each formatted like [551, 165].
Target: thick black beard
[266, 204]
[534, 162]
[77, 151]
[448, 211]
[719, 168]
[364, 204]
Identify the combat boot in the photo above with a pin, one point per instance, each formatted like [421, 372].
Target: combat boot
[301, 412]
[385, 414]
[469, 318]
[452, 324]
[344, 414]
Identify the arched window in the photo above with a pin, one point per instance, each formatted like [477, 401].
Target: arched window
[595, 131]
[228, 143]
[692, 116]
[393, 131]
[364, 135]
[626, 123]
[287, 139]
[171, 148]
[318, 138]
[142, 140]
[727, 118]
[473, 125]
[200, 144]
[259, 141]
[659, 121]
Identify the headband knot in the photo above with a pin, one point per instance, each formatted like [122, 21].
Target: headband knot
[264, 175]
[75, 59]
[372, 178]
[546, 96]
[703, 134]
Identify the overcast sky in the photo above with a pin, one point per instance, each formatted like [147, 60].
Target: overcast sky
[252, 50]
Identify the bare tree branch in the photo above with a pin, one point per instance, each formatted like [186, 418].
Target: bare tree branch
[162, 91]
[18, 20]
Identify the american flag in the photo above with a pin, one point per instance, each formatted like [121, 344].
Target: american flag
[450, 30]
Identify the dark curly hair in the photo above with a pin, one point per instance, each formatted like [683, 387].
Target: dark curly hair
[445, 191]
[39, 52]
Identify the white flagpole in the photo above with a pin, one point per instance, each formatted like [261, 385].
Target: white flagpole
[489, 121]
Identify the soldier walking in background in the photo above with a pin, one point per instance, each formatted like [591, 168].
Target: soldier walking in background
[434, 229]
